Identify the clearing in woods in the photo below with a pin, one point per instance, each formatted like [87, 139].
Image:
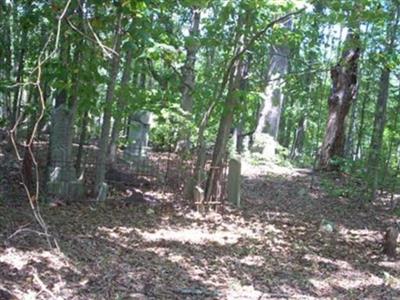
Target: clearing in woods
[274, 247]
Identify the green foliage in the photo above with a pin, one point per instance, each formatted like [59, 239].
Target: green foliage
[158, 32]
[167, 130]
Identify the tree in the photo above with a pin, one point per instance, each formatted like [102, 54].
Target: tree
[273, 96]
[374, 158]
[106, 125]
[344, 89]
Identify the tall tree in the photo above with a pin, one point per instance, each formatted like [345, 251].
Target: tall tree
[106, 125]
[344, 89]
[374, 159]
[188, 69]
[121, 102]
[273, 96]
[230, 105]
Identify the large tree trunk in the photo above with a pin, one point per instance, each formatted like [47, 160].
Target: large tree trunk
[105, 129]
[273, 96]
[344, 89]
[272, 99]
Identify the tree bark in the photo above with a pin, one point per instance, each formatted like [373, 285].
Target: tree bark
[20, 69]
[5, 57]
[188, 72]
[121, 102]
[344, 89]
[105, 129]
[231, 102]
[374, 158]
[273, 97]
[297, 146]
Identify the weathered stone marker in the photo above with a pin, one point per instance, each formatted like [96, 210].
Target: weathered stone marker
[103, 191]
[199, 198]
[138, 135]
[234, 181]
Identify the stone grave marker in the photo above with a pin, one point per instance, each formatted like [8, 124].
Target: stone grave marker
[234, 181]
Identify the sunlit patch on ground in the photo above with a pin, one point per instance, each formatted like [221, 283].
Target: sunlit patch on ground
[272, 248]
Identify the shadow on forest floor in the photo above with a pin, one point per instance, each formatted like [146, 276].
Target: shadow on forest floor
[271, 248]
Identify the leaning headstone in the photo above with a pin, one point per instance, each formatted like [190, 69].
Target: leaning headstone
[234, 181]
[103, 191]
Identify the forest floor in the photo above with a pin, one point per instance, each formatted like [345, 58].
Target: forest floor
[271, 248]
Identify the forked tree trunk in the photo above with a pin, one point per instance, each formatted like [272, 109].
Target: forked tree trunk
[344, 89]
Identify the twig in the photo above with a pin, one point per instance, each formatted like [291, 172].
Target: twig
[42, 285]
[28, 230]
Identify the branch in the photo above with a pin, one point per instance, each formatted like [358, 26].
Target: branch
[106, 50]
[250, 44]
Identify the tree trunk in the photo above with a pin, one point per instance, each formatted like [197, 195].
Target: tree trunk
[360, 132]
[231, 102]
[273, 97]
[121, 102]
[267, 130]
[344, 89]
[188, 73]
[105, 129]
[374, 158]
[297, 146]
[5, 57]
[20, 69]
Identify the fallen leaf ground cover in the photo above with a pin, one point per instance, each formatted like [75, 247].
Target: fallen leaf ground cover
[270, 248]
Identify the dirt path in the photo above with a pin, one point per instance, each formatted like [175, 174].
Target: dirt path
[272, 248]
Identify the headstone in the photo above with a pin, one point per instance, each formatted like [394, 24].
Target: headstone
[246, 144]
[234, 181]
[199, 198]
[103, 191]
[138, 135]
